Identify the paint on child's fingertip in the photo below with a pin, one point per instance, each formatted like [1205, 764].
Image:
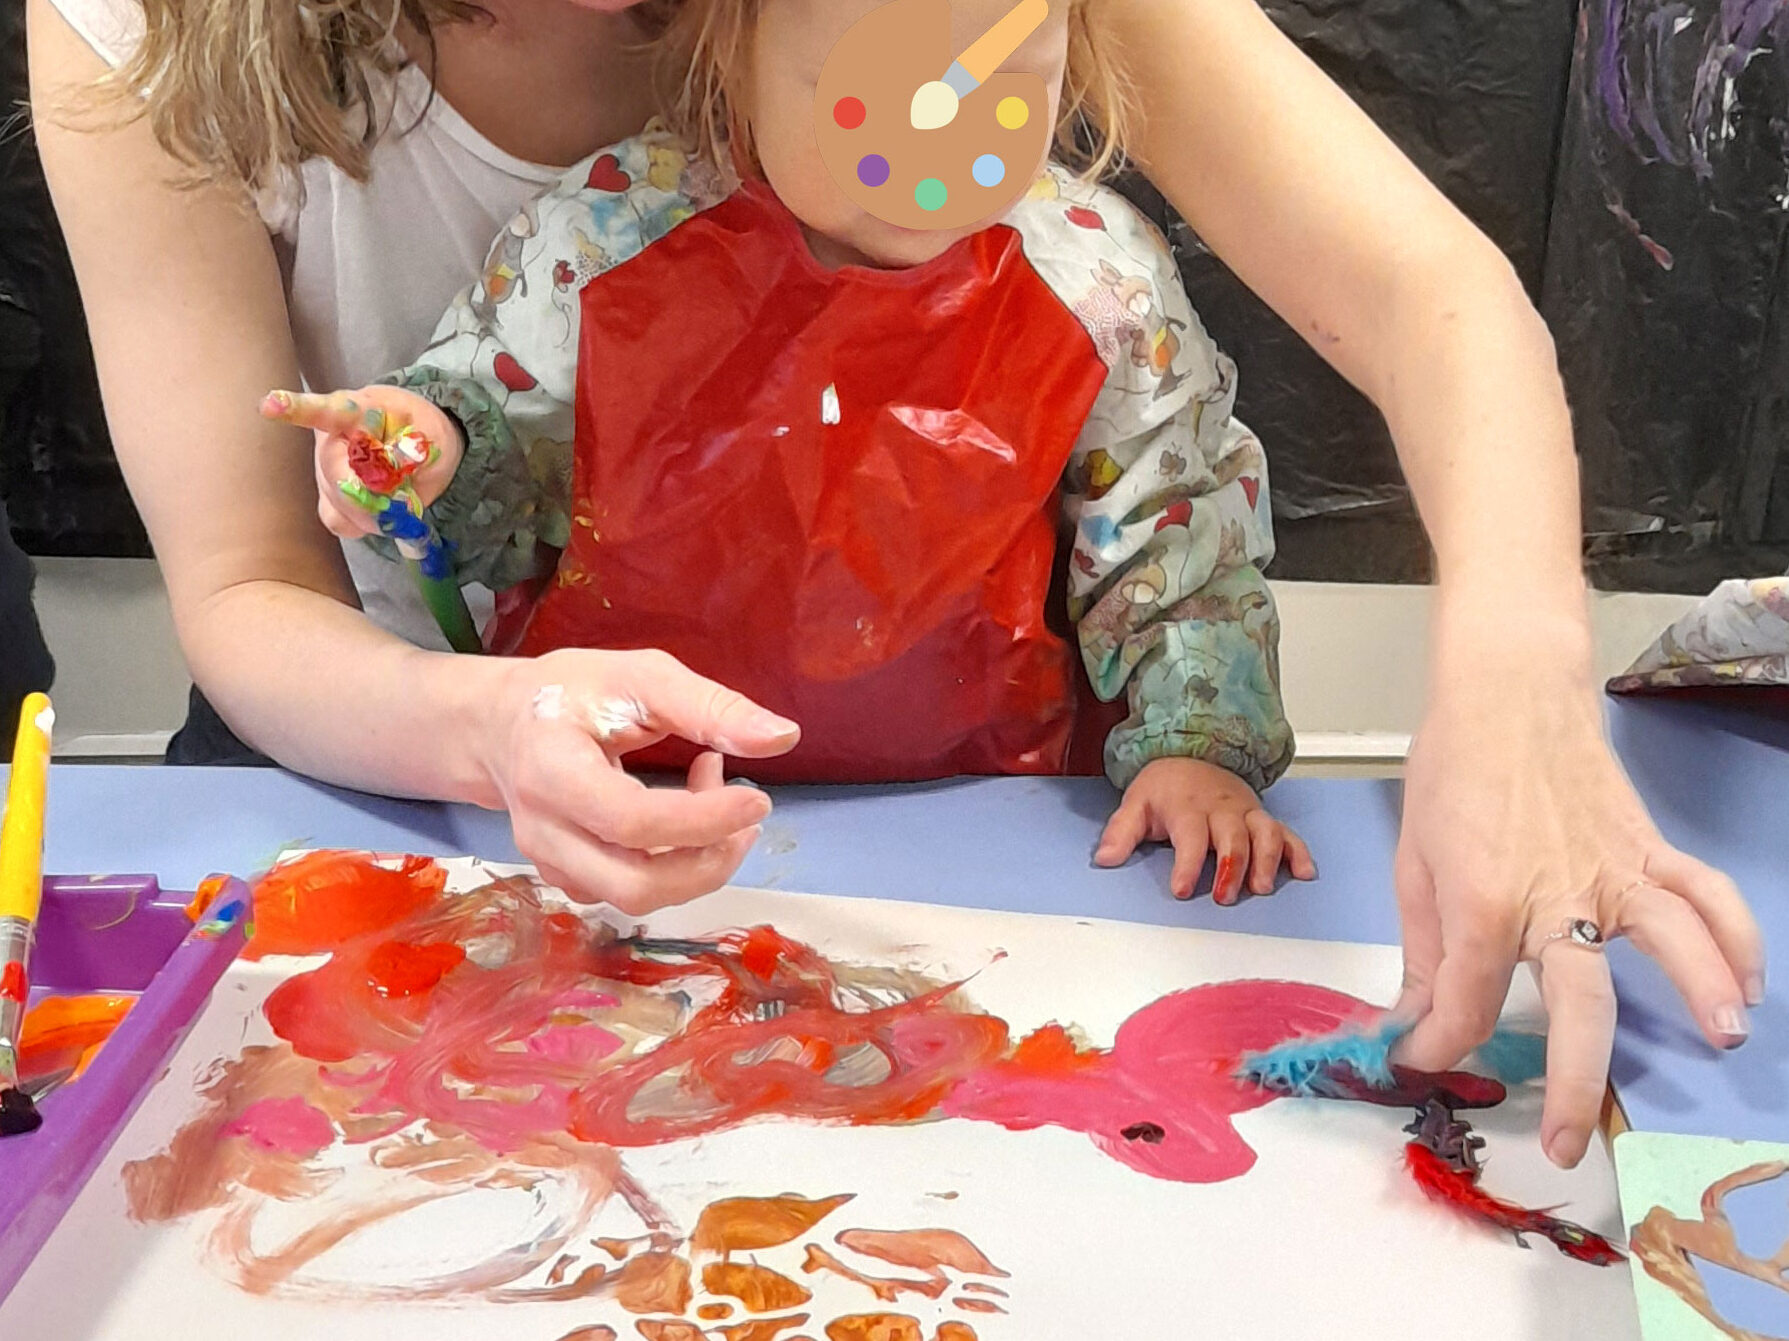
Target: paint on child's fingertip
[1221, 886]
[276, 405]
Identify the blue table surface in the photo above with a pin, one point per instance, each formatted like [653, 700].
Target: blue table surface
[1716, 777]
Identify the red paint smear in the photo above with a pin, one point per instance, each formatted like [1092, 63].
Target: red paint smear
[398, 969]
[512, 1047]
[323, 900]
[1171, 1065]
[288, 1126]
[1459, 1189]
[927, 1050]
[376, 467]
[14, 985]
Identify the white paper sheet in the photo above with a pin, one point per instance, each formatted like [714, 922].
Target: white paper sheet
[1325, 1237]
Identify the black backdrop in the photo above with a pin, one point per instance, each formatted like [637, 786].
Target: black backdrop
[1593, 141]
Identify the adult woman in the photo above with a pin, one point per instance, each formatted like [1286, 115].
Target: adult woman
[1518, 818]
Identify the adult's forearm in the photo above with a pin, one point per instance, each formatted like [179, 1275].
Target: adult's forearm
[1475, 404]
[320, 689]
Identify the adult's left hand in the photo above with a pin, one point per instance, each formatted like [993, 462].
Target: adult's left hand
[1517, 819]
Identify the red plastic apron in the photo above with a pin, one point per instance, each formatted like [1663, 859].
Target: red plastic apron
[883, 579]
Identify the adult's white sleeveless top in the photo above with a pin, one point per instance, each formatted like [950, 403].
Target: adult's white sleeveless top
[369, 268]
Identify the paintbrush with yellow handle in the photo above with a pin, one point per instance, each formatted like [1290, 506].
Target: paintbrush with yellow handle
[21, 892]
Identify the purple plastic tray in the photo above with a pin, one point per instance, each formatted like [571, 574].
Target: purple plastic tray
[113, 933]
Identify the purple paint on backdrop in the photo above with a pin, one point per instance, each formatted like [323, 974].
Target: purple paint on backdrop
[1633, 63]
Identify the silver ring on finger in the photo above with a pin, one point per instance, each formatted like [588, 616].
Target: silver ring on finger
[1579, 932]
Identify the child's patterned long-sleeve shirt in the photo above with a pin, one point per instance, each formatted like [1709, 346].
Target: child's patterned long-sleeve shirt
[1166, 493]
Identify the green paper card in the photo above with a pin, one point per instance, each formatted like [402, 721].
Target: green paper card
[1708, 1225]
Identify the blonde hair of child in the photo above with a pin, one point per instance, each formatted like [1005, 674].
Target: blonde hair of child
[710, 43]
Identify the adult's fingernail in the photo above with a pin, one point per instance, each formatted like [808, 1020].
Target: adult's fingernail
[1563, 1150]
[760, 729]
[1755, 990]
[1731, 1022]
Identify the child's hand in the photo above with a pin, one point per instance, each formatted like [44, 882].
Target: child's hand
[1197, 807]
[380, 412]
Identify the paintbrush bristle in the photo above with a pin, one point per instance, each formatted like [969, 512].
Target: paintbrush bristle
[18, 1113]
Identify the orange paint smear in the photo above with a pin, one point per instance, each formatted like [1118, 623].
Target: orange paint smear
[888, 1289]
[874, 1327]
[954, 1331]
[65, 1033]
[204, 896]
[596, 1333]
[398, 969]
[669, 1329]
[654, 1282]
[762, 1329]
[750, 1224]
[978, 1287]
[760, 1289]
[323, 900]
[620, 1248]
[714, 1312]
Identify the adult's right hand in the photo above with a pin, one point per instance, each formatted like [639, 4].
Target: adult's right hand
[553, 751]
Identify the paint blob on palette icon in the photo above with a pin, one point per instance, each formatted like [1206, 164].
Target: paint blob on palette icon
[926, 137]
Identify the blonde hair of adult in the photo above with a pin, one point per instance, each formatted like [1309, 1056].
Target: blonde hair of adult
[710, 41]
[243, 91]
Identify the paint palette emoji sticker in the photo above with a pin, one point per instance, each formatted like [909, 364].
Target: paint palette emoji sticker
[926, 137]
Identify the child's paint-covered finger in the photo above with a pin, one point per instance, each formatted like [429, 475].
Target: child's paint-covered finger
[338, 412]
[1267, 845]
[340, 516]
[1230, 836]
[1191, 836]
[344, 523]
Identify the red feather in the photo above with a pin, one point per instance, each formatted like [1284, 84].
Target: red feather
[1459, 1188]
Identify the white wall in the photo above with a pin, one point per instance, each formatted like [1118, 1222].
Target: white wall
[1353, 656]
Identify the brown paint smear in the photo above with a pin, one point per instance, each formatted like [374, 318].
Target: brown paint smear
[978, 1287]
[874, 1327]
[886, 1288]
[747, 1224]
[1667, 1246]
[654, 1282]
[924, 1250]
[977, 1305]
[669, 1329]
[762, 1329]
[760, 1289]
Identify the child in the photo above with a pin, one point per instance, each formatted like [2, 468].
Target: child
[824, 460]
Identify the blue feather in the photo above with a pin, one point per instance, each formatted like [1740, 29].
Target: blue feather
[1298, 1065]
[1515, 1058]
